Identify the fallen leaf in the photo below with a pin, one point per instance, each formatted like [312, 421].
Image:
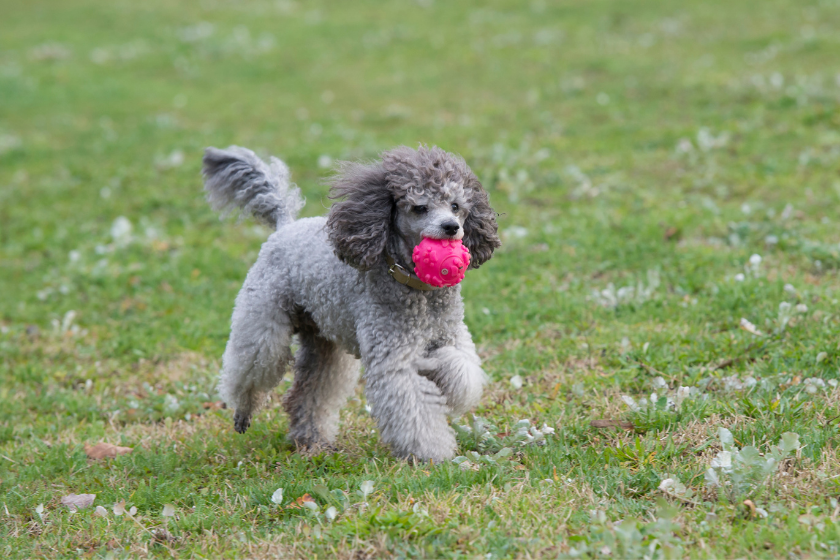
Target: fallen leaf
[101, 511]
[168, 510]
[366, 488]
[213, 405]
[751, 505]
[76, 502]
[609, 423]
[277, 496]
[103, 450]
[119, 508]
[300, 502]
[331, 513]
[671, 233]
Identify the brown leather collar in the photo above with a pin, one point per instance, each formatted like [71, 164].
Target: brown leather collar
[404, 277]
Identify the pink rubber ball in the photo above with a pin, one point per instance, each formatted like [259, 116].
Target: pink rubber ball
[441, 262]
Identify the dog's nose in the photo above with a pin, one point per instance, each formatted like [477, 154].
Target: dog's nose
[451, 228]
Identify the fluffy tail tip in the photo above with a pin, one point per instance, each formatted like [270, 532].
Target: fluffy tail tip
[237, 178]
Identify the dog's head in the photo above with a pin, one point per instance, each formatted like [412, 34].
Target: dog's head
[414, 194]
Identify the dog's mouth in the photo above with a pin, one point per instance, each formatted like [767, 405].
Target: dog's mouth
[438, 233]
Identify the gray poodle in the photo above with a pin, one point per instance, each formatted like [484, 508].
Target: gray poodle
[342, 285]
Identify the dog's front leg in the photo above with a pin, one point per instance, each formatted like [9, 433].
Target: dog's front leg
[456, 370]
[409, 409]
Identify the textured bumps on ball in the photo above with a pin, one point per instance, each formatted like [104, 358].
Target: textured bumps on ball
[441, 262]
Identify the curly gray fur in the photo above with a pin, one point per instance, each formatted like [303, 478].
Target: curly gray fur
[359, 223]
[236, 177]
[325, 281]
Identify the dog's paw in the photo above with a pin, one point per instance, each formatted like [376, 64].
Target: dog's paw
[430, 367]
[315, 449]
[241, 421]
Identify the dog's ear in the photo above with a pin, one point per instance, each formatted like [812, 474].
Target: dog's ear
[360, 221]
[480, 228]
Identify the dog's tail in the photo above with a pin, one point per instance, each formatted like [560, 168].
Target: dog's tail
[237, 177]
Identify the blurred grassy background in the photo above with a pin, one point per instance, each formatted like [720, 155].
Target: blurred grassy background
[615, 138]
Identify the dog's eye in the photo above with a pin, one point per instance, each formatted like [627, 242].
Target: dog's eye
[420, 209]
[455, 207]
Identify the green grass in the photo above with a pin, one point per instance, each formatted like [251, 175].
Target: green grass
[639, 153]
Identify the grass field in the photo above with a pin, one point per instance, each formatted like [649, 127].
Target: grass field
[666, 299]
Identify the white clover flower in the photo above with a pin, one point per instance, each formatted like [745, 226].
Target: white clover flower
[667, 484]
[732, 383]
[171, 403]
[684, 146]
[516, 232]
[787, 212]
[366, 488]
[121, 230]
[753, 266]
[813, 385]
[707, 141]
[749, 327]
[324, 161]
[723, 460]
[630, 402]
[625, 345]
[682, 394]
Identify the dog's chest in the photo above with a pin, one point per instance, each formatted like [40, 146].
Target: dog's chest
[428, 316]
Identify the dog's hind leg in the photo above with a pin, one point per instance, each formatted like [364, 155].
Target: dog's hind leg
[325, 376]
[257, 352]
